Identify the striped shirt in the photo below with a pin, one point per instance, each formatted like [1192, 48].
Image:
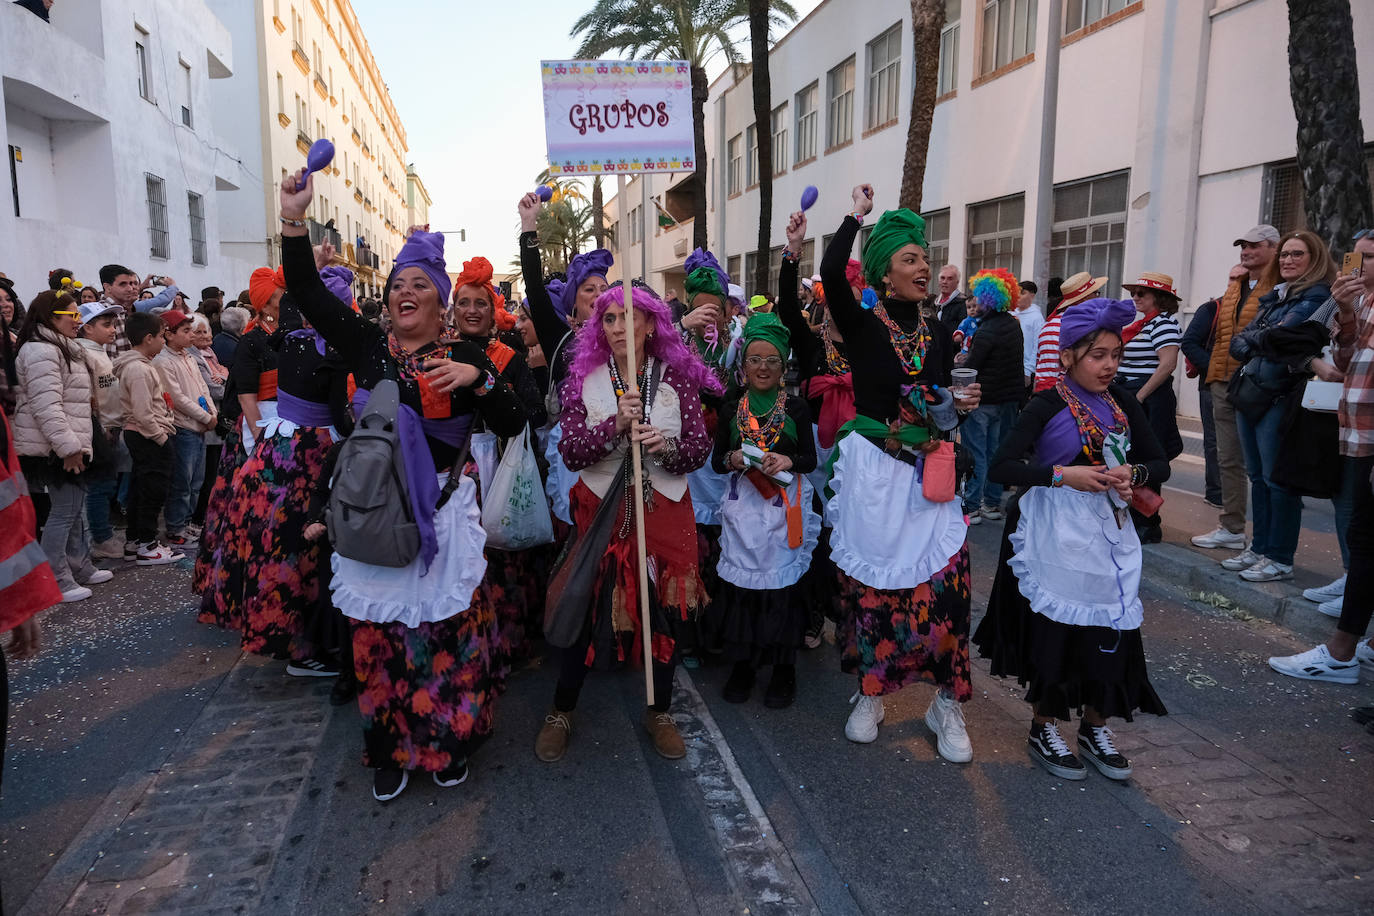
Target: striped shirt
[1140, 357]
[1047, 365]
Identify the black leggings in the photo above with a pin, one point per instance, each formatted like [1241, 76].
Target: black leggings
[1359, 538]
[572, 671]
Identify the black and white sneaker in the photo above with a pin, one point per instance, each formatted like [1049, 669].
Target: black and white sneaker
[1048, 748]
[1095, 741]
[454, 776]
[310, 668]
[387, 784]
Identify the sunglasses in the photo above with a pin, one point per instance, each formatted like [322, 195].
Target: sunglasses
[65, 313]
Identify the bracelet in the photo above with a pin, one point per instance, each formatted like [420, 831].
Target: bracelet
[298, 223]
[789, 255]
[858, 217]
[1139, 474]
[667, 453]
[485, 387]
[1057, 476]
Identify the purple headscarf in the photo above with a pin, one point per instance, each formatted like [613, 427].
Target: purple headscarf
[701, 258]
[339, 281]
[555, 289]
[425, 250]
[1080, 320]
[588, 264]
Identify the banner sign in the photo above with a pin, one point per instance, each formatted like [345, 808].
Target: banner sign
[614, 117]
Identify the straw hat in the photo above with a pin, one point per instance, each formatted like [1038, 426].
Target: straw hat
[1079, 287]
[1158, 283]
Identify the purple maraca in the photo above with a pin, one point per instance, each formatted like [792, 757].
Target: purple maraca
[544, 193]
[809, 197]
[320, 155]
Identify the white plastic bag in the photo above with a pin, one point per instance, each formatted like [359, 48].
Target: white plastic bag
[515, 513]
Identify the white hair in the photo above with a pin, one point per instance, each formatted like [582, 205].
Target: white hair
[197, 320]
[234, 319]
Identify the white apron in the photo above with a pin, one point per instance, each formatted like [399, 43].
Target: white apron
[886, 534]
[388, 594]
[1073, 563]
[484, 448]
[817, 477]
[248, 438]
[753, 536]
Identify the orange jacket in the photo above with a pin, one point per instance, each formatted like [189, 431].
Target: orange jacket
[27, 583]
[1222, 366]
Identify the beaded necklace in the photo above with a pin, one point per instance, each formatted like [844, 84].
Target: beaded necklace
[835, 361]
[618, 383]
[1090, 429]
[412, 363]
[646, 483]
[762, 431]
[910, 347]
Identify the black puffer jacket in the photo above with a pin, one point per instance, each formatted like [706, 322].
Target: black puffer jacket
[997, 355]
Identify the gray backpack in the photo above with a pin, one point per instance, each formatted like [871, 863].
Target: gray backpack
[369, 515]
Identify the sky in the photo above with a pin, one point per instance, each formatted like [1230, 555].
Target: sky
[464, 76]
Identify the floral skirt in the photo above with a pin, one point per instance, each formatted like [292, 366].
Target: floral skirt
[427, 694]
[514, 582]
[1062, 666]
[895, 638]
[281, 569]
[218, 574]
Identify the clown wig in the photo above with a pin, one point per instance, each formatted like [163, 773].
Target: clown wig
[995, 290]
[591, 349]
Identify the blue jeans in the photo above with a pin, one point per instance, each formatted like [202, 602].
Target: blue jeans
[100, 489]
[188, 474]
[1277, 513]
[981, 433]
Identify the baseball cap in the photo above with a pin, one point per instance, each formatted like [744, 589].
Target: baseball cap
[93, 310]
[173, 318]
[1261, 233]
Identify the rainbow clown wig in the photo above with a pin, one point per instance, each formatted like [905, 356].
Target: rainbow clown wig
[995, 290]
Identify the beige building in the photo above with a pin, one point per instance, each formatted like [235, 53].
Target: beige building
[316, 78]
[417, 199]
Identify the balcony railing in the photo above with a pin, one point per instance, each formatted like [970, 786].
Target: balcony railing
[319, 234]
[368, 258]
[302, 136]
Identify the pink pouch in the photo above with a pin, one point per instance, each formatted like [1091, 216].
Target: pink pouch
[938, 478]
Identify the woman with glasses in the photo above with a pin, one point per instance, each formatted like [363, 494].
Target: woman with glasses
[768, 527]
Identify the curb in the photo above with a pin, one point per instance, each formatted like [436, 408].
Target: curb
[1179, 569]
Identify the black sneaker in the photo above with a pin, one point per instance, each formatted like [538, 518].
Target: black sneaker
[1048, 748]
[453, 776]
[740, 684]
[387, 784]
[782, 687]
[311, 668]
[1096, 744]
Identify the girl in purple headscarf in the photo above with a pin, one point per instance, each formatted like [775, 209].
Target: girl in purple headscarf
[601, 416]
[1065, 612]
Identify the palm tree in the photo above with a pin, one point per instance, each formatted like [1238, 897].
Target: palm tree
[692, 30]
[762, 15]
[927, 19]
[1326, 100]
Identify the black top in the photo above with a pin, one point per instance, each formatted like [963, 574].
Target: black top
[548, 325]
[255, 354]
[954, 311]
[998, 354]
[801, 450]
[878, 374]
[304, 373]
[1197, 341]
[521, 378]
[363, 348]
[807, 346]
[1012, 465]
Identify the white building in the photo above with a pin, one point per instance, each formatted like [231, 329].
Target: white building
[1174, 133]
[114, 154]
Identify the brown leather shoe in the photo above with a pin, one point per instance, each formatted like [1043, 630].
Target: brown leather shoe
[553, 737]
[663, 730]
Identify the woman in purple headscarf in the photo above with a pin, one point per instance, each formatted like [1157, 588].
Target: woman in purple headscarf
[1065, 612]
[423, 634]
[601, 417]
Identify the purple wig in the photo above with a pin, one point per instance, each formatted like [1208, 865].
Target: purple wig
[592, 350]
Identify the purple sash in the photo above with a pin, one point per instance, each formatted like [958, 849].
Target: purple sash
[302, 412]
[312, 334]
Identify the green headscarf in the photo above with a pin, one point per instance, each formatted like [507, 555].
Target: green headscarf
[767, 327]
[703, 280]
[895, 230]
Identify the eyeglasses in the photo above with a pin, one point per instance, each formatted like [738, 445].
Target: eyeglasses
[758, 362]
[65, 313]
[1292, 255]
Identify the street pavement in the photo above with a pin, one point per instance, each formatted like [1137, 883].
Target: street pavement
[154, 769]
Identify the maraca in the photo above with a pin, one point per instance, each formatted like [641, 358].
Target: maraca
[320, 155]
[809, 197]
[544, 193]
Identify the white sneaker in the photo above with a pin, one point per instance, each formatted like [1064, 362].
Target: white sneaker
[1268, 571]
[975, 517]
[81, 593]
[1333, 607]
[992, 513]
[99, 576]
[1326, 592]
[155, 554]
[112, 549]
[862, 726]
[1364, 654]
[945, 717]
[1220, 538]
[1318, 665]
[1240, 561]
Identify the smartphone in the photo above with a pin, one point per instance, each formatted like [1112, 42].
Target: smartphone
[1351, 263]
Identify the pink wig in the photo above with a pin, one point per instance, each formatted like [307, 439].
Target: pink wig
[854, 273]
[592, 350]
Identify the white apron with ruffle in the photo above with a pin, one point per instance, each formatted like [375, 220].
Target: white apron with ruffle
[1073, 563]
[886, 534]
[561, 480]
[484, 448]
[753, 536]
[708, 490]
[408, 594]
[817, 477]
[248, 438]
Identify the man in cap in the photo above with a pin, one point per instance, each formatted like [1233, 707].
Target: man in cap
[1236, 309]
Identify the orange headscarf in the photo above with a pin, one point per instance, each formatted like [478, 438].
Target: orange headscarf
[262, 284]
[478, 272]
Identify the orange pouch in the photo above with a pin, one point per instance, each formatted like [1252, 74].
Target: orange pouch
[938, 478]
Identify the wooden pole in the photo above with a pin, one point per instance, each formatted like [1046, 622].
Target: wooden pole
[636, 453]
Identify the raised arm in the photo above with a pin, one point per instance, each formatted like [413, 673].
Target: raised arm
[804, 341]
[844, 310]
[548, 326]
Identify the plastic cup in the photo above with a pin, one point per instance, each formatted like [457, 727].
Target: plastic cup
[960, 379]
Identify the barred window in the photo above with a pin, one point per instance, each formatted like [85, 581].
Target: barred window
[1089, 228]
[195, 205]
[157, 216]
